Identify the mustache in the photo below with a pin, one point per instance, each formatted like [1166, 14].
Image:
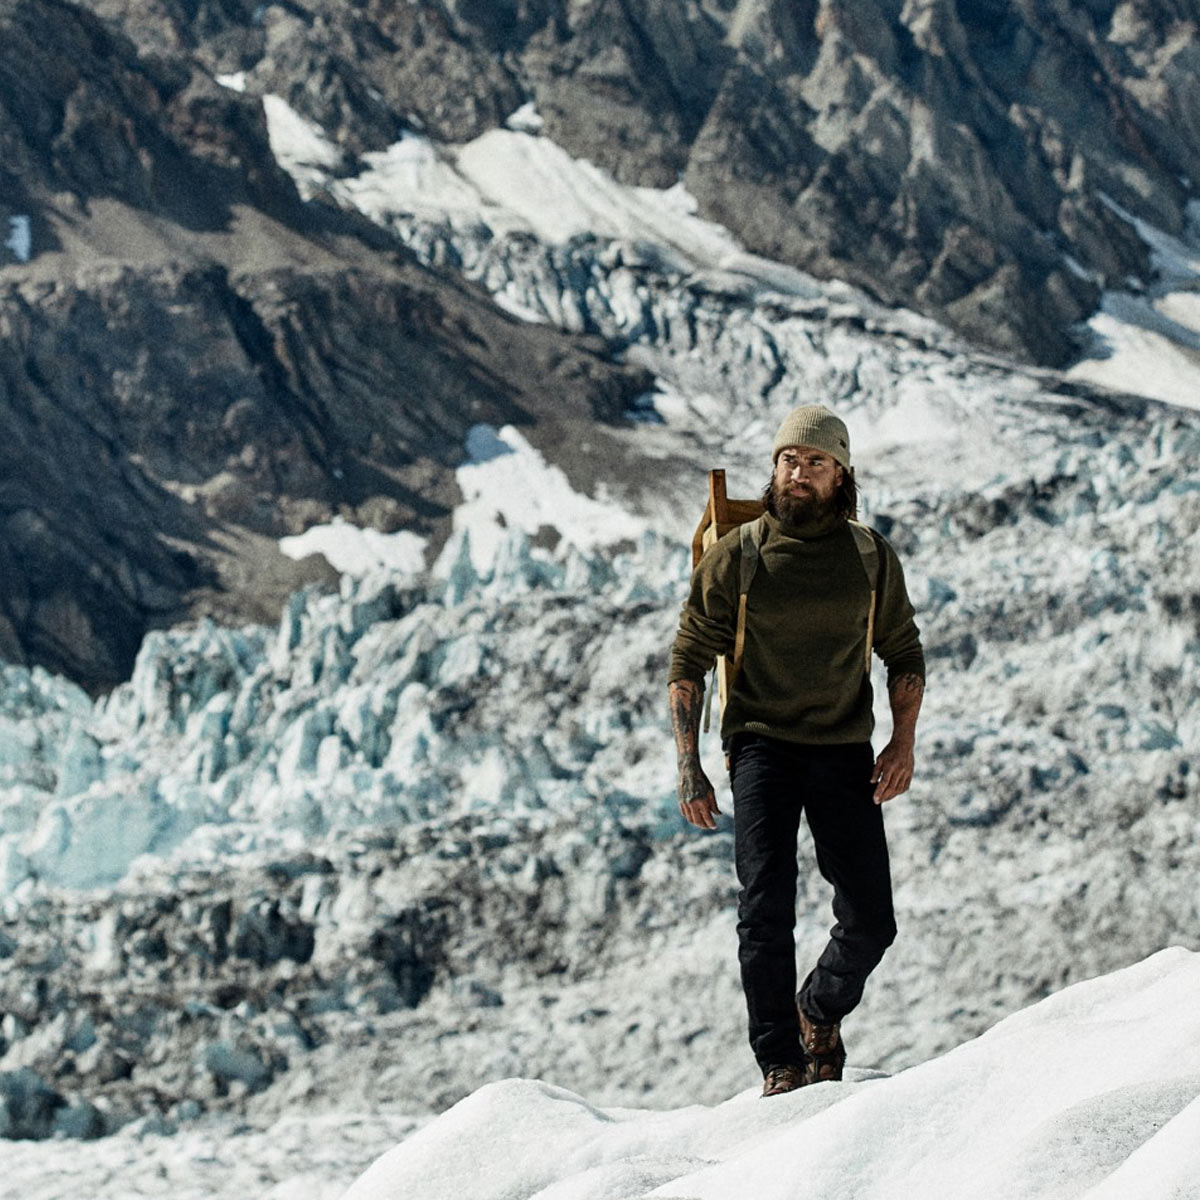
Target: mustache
[797, 503]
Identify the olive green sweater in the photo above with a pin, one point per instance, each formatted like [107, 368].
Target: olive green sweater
[802, 676]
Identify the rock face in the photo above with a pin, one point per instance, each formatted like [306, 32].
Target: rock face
[195, 363]
[961, 158]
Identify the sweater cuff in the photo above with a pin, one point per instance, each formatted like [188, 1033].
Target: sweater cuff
[907, 664]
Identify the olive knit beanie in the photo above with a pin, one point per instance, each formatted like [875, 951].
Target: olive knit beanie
[814, 425]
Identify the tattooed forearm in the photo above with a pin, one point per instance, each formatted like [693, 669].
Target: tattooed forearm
[905, 693]
[907, 683]
[696, 799]
[686, 698]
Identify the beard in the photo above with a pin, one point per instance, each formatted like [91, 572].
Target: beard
[798, 510]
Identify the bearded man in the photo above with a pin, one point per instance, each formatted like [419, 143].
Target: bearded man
[796, 725]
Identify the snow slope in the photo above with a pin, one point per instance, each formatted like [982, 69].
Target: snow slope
[1092, 1094]
[513, 182]
[1148, 342]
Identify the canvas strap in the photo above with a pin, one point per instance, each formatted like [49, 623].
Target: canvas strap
[869, 553]
[752, 533]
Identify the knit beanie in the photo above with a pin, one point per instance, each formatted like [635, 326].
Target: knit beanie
[814, 425]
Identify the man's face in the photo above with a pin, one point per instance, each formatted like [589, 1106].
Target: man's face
[805, 482]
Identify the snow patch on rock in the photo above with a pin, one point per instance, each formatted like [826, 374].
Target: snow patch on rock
[508, 485]
[355, 551]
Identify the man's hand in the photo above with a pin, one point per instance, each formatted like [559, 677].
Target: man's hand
[697, 800]
[893, 772]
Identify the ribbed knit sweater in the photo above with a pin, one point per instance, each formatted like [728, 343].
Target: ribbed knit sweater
[802, 677]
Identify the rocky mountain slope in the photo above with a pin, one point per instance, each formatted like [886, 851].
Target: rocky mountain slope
[960, 158]
[195, 363]
[168, 296]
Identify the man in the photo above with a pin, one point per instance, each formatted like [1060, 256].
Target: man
[797, 725]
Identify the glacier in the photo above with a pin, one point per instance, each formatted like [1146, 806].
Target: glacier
[420, 837]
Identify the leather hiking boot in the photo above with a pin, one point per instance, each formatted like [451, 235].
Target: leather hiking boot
[783, 1077]
[826, 1054]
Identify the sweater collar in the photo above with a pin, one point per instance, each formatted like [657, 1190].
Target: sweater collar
[807, 530]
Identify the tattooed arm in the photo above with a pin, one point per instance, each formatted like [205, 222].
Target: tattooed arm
[697, 800]
[894, 767]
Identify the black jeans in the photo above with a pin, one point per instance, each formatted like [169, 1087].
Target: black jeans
[773, 782]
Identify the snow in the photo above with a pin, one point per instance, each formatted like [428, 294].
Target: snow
[298, 144]
[1148, 344]
[411, 174]
[526, 119]
[357, 552]
[513, 181]
[1146, 347]
[507, 484]
[1092, 1093]
[299, 1158]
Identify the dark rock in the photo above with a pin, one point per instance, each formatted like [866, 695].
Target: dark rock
[80, 1120]
[630, 857]
[28, 1105]
[264, 935]
[194, 363]
[949, 156]
[407, 948]
[83, 115]
[228, 1063]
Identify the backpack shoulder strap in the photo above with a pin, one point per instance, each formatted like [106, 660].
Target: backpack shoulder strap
[868, 551]
[752, 536]
[725, 670]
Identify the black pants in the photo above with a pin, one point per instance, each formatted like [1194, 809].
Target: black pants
[773, 782]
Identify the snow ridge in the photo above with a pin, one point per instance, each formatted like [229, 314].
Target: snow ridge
[980, 1122]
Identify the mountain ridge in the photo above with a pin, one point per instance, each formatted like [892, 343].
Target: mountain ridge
[185, 377]
[951, 157]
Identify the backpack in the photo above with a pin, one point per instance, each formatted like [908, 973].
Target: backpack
[720, 516]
